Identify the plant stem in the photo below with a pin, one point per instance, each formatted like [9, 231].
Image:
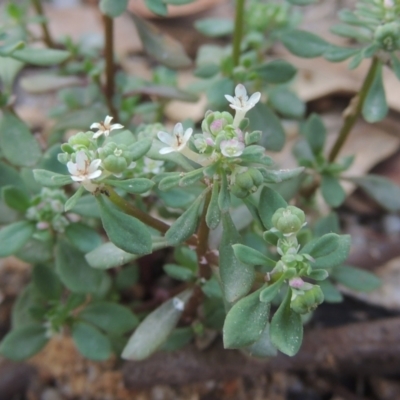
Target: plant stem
[37, 5]
[110, 67]
[353, 111]
[202, 241]
[238, 32]
[130, 209]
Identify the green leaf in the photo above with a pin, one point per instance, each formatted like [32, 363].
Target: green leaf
[17, 143]
[325, 245]
[74, 271]
[90, 342]
[268, 293]
[113, 8]
[302, 2]
[375, 106]
[161, 47]
[191, 177]
[245, 321]
[185, 226]
[51, 179]
[110, 317]
[44, 83]
[318, 274]
[236, 277]
[270, 201]
[287, 103]
[134, 186]
[14, 236]
[286, 328]
[282, 175]
[10, 176]
[214, 27]
[157, 7]
[213, 216]
[21, 315]
[304, 44]
[263, 119]
[332, 190]
[206, 71]
[327, 224]
[276, 71]
[83, 237]
[125, 231]
[24, 342]
[262, 347]
[381, 189]
[156, 328]
[36, 251]
[250, 256]
[356, 278]
[87, 207]
[15, 198]
[315, 133]
[331, 294]
[41, 57]
[47, 282]
[179, 338]
[71, 202]
[337, 54]
[140, 148]
[333, 258]
[224, 197]
[395, 63]
[108, 255]
[178, 272]
[216, 92]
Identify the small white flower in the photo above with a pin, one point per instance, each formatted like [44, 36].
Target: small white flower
[152, 166]
[232, 148]
[177, 141]
[84, 170]
[241, 101]
[178, 304]
[104, 128]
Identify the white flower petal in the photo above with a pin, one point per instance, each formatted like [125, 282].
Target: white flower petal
[78, 178]
[116, 126]
[81, 159]
[95, 125]
[166, 150]
[94, 165]
[72, 168]
[229, 98]
[108, 120]
[97, 134]
[240, 91]
[94, 174]
[166, 138]
[254, 99]
[187, 135]
[178, 129]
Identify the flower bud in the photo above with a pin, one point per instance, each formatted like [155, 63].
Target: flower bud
[288, 220]
[215, 122]
[388, 36]
[115, 158]
[307, 302]
[81, 139]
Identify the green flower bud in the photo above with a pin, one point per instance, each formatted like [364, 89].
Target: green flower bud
[307, 302]
[239, 192]
[257, 176]
[63, 158]
[81, 139]
[116, 158]
[288, 220]
[215, 122]
[388, 36]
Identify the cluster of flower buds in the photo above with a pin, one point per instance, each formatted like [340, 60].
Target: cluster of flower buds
[47, 210]
[306, 296]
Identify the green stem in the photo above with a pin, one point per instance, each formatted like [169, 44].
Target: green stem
[238, 32]
[37, 5]
[130, 209]
[202, 241]
[110, 67]
[354, 110]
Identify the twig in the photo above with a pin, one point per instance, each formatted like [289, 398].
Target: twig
[238, 32]
[37, 5]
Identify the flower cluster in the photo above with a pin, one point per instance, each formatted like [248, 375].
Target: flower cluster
[47, 210]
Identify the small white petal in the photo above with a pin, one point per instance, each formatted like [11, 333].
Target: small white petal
[166, 138]
[178, 129]
[108, 120]
[95, 125]
[254, 99]
[240, 91]
[94, 165]
[187, 135]
[77, 178]
[94, 175]
[166, 150]
[97, 134]
[116, 126]
[72, 168]
[229, 98]
[81, 159]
